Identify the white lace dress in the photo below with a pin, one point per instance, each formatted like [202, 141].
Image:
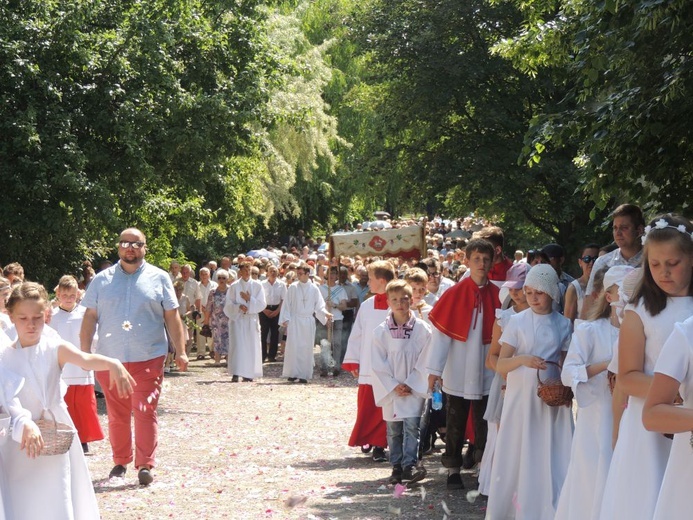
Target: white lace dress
[57, 487]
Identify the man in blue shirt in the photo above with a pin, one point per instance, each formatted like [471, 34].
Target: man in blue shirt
[135, 307]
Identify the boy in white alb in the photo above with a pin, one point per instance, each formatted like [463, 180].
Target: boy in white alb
[369, 430]
[399, 386]
[80, 397]
[463, 319]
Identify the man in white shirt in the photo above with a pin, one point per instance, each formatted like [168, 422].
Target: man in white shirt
[191, 289]
[206, 285]
[628, 226]
[275, 293]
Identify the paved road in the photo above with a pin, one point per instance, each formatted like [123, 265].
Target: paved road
[267, 449]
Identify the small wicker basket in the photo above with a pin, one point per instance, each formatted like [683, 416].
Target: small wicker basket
[57, 437]
[612, 381]
[553, 392]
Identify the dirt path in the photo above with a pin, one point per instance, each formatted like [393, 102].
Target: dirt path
[266, 449]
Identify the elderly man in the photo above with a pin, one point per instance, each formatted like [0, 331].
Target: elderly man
[191, 289]
[134, 305]
[244, 300]
[206, 285]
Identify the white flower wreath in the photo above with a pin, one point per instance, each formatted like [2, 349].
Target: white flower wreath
[663, 224]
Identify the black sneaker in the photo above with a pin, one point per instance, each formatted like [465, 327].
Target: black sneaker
[247, 380]
[118, 471]
[366, 449]
[468, 457]
[413, 474]
[455, 481]
[379, 454]
[234, 379]
[145, 477]
[291, 379]
[303, 381]
[396, 477]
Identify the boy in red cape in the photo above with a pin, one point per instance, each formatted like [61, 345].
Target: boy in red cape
[370, 429]
[463, 322]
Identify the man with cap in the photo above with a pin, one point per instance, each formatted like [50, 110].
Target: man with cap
[556, 255]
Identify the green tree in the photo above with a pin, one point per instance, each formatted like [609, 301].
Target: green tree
[627, 72]
[447, 117]
[127, 113]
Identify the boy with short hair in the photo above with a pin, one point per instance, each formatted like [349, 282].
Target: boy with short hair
[463, 319]
[369, 430]
[417, 279]
[399, 386]
[80, 398]
[500, 263]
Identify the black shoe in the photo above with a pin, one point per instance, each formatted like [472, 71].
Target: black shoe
[118, 471]
[413, 474]
[85, 447]
[291, 379]
[303, 381]
[145, 477]
[396, 477]
[99, 395]
[455, 481]
[379, 454]
[247, 380]
[234, 379]
[336, 372]
[468, 457]
[271, 360]
[366, 449]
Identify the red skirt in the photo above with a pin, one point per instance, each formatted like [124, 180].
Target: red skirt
[370, 427]
[81, 403]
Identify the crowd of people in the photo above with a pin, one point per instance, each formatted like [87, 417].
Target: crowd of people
[514, 343]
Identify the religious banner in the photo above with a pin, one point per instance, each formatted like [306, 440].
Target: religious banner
[407, 242]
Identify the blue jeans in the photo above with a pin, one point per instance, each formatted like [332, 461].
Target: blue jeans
[403, 440]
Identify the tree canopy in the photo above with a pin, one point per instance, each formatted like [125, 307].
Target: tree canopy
[215, 124]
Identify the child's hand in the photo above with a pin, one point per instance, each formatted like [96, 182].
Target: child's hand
[121, 379]
[534, 362]
[432, 381]
[32, 440]
[402, 390]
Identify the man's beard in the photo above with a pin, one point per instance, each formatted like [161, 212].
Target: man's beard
[131, 261]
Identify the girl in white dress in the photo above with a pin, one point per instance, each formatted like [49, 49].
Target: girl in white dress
[514, 282]
[15, 422]
[533, 445]
[661, 300]
[585, 371]
[59, 486]
[674, 367]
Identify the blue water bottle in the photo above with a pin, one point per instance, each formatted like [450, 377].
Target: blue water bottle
[436, 397]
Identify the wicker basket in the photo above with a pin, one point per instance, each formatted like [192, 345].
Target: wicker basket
[612, 381]
[553, 392]
[57, 437]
